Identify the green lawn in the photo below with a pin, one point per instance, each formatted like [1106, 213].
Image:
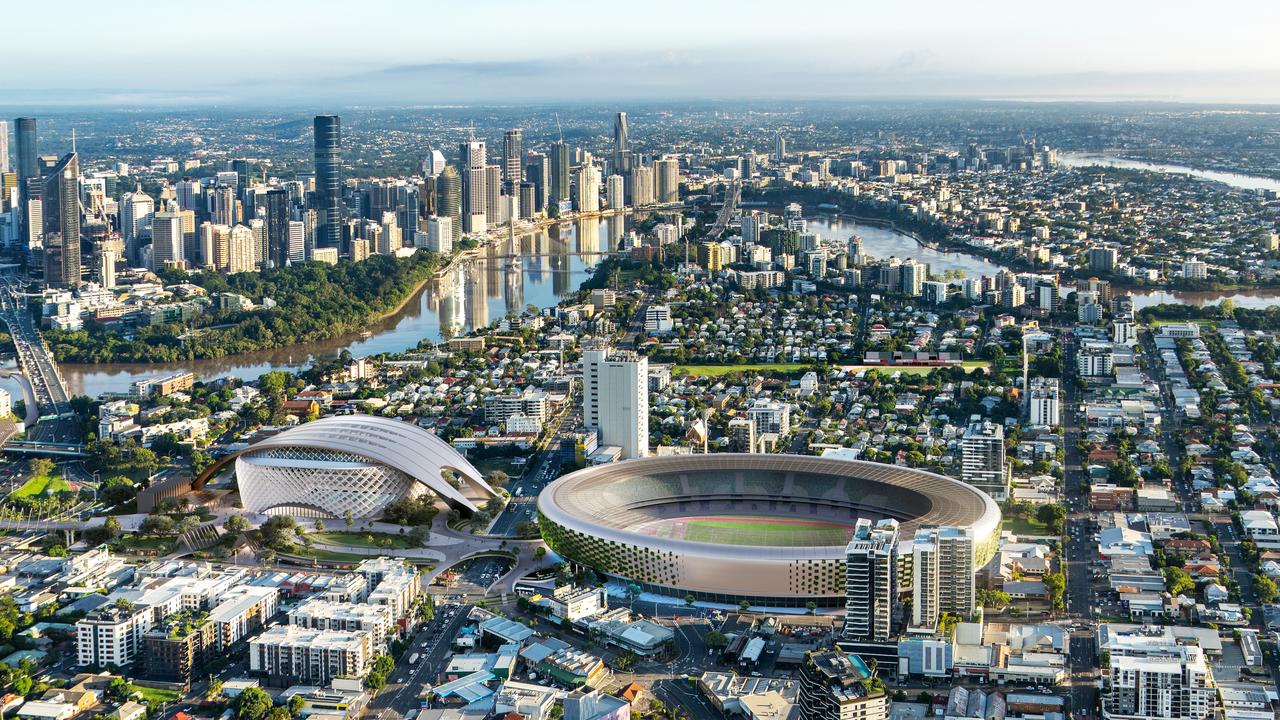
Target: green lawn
[1024, 526]
[154, 697]
[718, 370]
[313, 553]
[360, 539]
[41, 485]
[146, 542]
[765, 532]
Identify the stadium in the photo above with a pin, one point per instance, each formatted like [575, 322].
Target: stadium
[770, 529]
[354, 464]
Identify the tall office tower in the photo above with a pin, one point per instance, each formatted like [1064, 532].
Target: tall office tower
[166, 239]
[28, 169]
[493, 210]
[107, 269]
[4, 147]
[433, 164]
[407, 210]
[215, 243]
[559, 172]
[241, 250]
[60, 200]
[427, 197]
[779, 148]
[449, 199]
[277, 217]
[621, 146]
[328, 148]
[667, 180]
[588, 189]
[831, 688]
[528, 200]
[538, 171]
[512, 160]
[615, 391]
[640, 186]
[391, 240]
[222, 205]
[471, 160]
[912, 274]
[188, 192]
[982, 462]
[871, 588]
[615, 192]
[942, 574]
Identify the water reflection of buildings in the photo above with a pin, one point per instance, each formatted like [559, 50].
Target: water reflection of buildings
[448, 300]
[513, 288]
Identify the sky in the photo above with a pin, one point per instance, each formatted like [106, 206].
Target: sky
[435, 51]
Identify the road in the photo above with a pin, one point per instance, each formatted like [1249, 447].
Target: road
[1080, 548]
[40, 369]
[432, 644]
[546, 468]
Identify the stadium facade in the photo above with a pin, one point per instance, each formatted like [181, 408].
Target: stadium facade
[353, 463]
[726, 527]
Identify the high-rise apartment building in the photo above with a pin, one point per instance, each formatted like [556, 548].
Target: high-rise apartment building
[28, 169]
[615, 192]
[1044, 402]
[621, 145]
[471, 159]
[871, 591]
[241, 250]
[982, 462]
[297, 243]
[512, 160]
[449, 199]
[1173, 684]
[538, 171]
[832, 688]
[640, 186]
[559, 172]
[615, 389]
[742, 435]
[277, 220]
[1103, 259]
[912, 275]
[588, 189]
[4, 147]
[328, 197]
[942, 574]
[667, 180]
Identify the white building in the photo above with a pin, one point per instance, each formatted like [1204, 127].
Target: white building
[982, 462]
[1169, 683]
[440, 234]
[166, 239]
[942, 574]
[616, 399]
[615, 192]
[313, 657]
[112, 635]
[871, 593]
[657, 320]
[1193, 269]
[1044, 400]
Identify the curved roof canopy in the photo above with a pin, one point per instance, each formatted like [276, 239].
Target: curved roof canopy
[419, 453]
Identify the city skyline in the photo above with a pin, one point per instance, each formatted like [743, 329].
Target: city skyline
[1094, 51]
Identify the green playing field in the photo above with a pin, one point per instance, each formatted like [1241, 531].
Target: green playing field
[763, 531]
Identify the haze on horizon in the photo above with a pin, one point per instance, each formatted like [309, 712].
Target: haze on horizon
[394, 52]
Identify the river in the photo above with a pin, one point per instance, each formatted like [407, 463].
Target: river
[557, 261]
[1237, 180]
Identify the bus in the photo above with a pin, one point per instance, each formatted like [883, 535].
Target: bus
[413, 659]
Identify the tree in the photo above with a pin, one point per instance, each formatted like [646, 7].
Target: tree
[158, 525]
[715, 639]
[252, 703]
[1178, 581]
[296, 706]
[995, 599]
[811, 607]
[40, 467]
[348, 518]
[214, 691]
[1054, 584]
[689, 600]
[1265, 588]
[497, 479]
[540, 552]
[278, 532]
[1053, 516]
[744, 606]
[236, 524]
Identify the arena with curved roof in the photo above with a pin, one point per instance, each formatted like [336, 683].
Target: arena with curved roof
[771, 529]
[353, 463]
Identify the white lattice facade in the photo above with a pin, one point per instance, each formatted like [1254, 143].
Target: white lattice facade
[357, 464]
[307, 482]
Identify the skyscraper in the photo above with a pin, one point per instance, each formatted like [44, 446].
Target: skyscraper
[559, 172]
[166, 239]
[449, 199]
[472, 161]
[667, 180]
[588, 189]
[512, 160]
[942, 574]
[277, 216]
[621, 148]
[28, 169]
[61, 217]
[4, 147]
[871, 591]
[328, 148]
[982, 462]
[538, 171]
[615, 390]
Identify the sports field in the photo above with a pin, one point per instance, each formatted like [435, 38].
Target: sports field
[756, 530]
